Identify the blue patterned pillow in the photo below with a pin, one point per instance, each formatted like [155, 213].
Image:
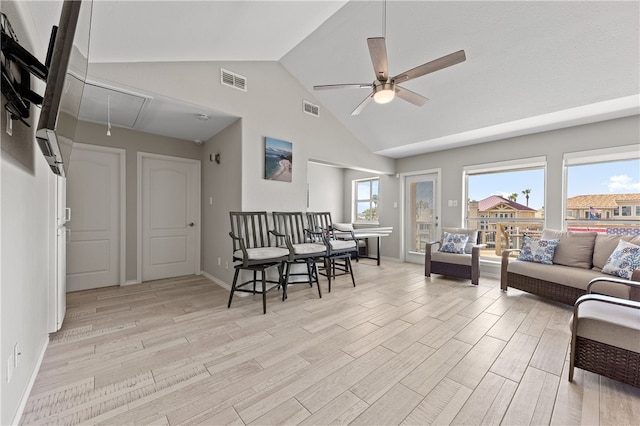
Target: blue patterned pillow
[454, 243]
[623, 261]
[539, 251]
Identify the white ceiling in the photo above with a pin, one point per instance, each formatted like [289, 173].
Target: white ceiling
[531, 66]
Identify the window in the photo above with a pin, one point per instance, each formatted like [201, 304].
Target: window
[366, 200]
[505, 201]
[638, 211]
[603, 190]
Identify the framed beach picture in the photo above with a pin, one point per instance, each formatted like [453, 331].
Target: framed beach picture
[278, 159]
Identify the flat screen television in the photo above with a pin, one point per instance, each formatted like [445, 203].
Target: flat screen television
[65, 84]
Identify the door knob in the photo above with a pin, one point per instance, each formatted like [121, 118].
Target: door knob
[192, 224]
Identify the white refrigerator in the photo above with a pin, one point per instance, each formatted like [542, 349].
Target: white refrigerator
[58, 286]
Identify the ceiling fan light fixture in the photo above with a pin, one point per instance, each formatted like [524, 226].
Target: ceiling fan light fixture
[384, 93]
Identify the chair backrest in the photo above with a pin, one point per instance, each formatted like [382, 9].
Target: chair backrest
[292, 225]
[252, 228]
[319, 221]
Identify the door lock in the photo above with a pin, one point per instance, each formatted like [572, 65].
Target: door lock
[192, 224]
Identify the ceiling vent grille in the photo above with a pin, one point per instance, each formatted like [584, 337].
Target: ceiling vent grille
[310, 108]
[232, 79]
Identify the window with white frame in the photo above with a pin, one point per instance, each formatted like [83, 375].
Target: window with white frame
[602, 190]
[366, 200]
[505, 201]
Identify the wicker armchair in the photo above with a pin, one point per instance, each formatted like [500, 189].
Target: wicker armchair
[605, 334]
[464, 265]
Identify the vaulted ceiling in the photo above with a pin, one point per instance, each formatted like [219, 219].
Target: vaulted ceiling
[530, 67]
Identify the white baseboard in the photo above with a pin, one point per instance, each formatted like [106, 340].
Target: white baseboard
[130, 282]
[32, 380]
[216, 280]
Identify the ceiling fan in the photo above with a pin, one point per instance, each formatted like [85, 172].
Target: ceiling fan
[384, 88]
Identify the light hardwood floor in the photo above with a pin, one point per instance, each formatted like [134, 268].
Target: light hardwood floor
[397, 349]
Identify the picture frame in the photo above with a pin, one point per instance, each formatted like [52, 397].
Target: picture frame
[278, 160]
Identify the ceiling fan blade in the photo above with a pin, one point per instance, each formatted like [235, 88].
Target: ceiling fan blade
[343, 86]
[429, 67]
[363, 104]
[378, 52]
[411, 97]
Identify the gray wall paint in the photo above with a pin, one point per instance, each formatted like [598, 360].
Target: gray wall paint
[387, 213]
[134, 142]
[552, 145]
[27, 234]
[222, 183]
[272, 106]
[326, 190]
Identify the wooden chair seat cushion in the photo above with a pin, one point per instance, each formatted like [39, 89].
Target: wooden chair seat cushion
[263, 253]
[614, 325]
[309, 249]
[342, 245]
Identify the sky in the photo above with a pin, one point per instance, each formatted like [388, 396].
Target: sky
[619, 177]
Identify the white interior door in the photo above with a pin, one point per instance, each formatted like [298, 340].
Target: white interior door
[170, 215]
[94, 194]
[421, 215]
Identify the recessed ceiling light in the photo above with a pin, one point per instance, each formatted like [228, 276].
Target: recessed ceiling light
[203, 117]
[198, 141]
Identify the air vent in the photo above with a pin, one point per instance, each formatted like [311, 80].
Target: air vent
[310, 108]
[232, 79]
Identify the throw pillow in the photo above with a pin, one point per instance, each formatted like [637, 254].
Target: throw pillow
[623, 261]
[539, 251]
[454, 243]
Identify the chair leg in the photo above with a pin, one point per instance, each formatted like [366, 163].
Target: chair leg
[314, 270]
[327, 267]
[285, 283]
[264, 291]
[233, 287]
[348, 263]
[255, 278]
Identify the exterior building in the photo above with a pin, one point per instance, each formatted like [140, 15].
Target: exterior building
[604, 206]
[498, 207]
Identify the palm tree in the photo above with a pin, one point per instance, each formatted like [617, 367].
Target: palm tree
[513, 197]
[526, 193]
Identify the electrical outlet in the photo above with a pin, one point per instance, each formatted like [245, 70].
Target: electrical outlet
[16, 354]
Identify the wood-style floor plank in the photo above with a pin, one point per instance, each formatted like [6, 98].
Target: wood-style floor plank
[397, 349]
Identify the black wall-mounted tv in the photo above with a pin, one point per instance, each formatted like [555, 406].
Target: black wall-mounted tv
[65, 84]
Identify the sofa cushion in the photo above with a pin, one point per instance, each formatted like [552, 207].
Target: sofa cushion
[454, 243]
[606, 244]
[623, 261]
[458, 259]
[540, 251]
[472, 233]
[568, 276]
[574, 249]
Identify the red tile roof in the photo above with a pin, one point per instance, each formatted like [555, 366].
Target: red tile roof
[492, 201]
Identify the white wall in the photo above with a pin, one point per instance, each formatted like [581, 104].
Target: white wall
[326, 190]
[26, 232]
[553, 145]
[272, 106]
[221, 185]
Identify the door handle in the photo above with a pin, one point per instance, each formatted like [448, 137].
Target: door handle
[192, 224]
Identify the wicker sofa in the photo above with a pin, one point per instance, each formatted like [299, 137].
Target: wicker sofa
[579, 258]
